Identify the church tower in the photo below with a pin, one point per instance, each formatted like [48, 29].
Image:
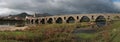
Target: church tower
[34, 15]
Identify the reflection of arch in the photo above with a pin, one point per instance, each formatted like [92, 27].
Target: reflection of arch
[36, 21]
[27, 20]
[42, 21]
[70, 20]
[59, 20]
[100, 21]
[32, 21]
[84, 19]
[50, 21]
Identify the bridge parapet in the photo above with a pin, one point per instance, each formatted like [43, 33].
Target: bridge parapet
[76, 17]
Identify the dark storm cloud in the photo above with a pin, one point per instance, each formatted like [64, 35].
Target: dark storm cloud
[57, 6]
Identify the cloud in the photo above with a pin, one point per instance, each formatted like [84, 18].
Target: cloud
[117, 4]
[56, 6]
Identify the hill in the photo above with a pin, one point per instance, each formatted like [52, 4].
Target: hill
[23, 15]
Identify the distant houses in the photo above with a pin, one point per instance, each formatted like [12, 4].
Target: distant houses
[10, 18]
[23, 15]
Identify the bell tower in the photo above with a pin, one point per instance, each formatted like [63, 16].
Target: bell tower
[34, 15]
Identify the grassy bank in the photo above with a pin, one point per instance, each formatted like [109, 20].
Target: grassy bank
[62, 33]
[115, 32]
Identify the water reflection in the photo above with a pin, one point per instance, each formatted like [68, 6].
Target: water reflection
[100, 21]
[101, 24]
[13, 23]
[10, 23]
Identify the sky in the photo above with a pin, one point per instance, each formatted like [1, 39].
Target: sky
[117, 3]
[8, 7]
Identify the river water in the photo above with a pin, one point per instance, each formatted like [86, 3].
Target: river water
[13, 23]
[10, 23]
[100, 24]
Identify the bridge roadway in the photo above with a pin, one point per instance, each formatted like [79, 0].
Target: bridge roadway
[73, 18]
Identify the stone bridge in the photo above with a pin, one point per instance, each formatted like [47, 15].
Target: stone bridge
[73, 18]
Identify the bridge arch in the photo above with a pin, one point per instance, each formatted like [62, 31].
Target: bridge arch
[59, 20]
[100, 18]
[85, 19]
[36, 21]
[32, 21]
[50, 21]
[70, 20]
[42, 21]
[77, 17]
[117, 17]
[28, 21]
[100, 21]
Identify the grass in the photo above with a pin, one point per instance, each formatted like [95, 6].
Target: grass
[18, 36]
[42, 33]
[9, 41]
[115, 32]
[110, 33]
[87, 35]
[62, 33]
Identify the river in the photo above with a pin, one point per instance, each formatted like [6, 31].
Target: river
[13, 23]
[10, 23]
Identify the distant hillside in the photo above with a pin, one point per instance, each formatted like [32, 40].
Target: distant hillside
[23, 15]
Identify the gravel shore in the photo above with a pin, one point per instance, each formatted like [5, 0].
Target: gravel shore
[11, 28]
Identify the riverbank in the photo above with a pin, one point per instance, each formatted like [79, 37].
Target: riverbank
[63, 33]
[42, 33]
[12, 28]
